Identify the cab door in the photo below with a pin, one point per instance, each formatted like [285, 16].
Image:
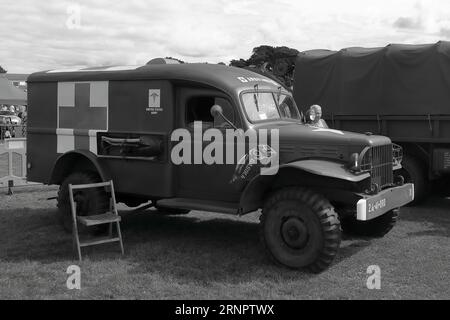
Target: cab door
[201, 180]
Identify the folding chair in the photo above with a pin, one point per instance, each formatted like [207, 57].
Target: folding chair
[111, 217]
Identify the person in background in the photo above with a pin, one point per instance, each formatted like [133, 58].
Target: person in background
[7, 134]
[24, 118]
[314, 116]
[20, 113]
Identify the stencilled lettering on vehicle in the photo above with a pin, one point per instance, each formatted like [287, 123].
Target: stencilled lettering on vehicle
[380, 204]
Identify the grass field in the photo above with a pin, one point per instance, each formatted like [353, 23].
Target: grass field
[212, 256]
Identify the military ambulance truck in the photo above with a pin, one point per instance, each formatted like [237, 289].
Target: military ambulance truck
[400, 91]
[118, 123]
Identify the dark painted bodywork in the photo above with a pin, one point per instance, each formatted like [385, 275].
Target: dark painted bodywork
[303, 148]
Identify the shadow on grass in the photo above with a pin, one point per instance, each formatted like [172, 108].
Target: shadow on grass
[186, 247]
[29, 188]
[33, 234]
[433, 213]
[197, 249]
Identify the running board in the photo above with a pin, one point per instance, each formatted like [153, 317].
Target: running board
[196, 204]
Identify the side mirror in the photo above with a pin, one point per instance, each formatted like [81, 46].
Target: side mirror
[216, 111]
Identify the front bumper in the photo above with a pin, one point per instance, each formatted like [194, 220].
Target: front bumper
[371, 207]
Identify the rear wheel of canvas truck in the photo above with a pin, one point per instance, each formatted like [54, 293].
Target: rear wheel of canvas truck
[414, 171]
[299, 228]
[88, 201]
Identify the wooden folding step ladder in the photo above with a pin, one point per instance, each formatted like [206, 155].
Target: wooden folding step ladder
[111, 217]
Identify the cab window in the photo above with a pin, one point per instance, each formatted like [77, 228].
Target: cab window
[198, 108]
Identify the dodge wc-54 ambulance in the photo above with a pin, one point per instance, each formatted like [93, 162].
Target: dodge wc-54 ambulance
[171, 134]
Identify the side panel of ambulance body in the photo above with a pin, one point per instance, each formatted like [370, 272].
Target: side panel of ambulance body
[128, 113]
[41, 130]
[131, 112]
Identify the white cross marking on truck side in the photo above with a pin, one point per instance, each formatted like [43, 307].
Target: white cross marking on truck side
[328, 130]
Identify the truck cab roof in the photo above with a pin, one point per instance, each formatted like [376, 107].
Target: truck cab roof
[228, 79]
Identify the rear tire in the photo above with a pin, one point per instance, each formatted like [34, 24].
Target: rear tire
[300, 228]
[414, 172]
[377, 227]
[88, 201]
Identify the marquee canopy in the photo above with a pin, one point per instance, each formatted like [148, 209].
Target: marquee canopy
[9, 94]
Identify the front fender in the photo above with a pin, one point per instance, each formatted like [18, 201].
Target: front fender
[327, 168]
[252, 195]
[77, 160]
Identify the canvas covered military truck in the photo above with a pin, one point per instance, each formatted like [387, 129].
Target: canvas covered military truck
[400, 91]
[125, 124]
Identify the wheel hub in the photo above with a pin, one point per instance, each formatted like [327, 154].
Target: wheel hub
[81, 203]
[294, 233]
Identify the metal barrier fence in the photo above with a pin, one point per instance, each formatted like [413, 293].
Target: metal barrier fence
[13, 163]
[12, 131]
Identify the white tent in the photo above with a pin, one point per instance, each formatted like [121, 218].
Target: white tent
[9, 94]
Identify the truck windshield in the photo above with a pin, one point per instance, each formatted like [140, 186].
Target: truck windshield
[261, 106]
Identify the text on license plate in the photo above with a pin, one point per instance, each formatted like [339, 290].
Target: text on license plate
[380, 204]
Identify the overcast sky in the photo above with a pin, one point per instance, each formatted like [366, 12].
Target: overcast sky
[41, 35]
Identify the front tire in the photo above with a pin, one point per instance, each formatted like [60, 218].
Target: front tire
[300, 228]
[88, 201]
[377, 227]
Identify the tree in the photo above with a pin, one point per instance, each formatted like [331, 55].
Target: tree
[267, 54]
[241, 63]
[261, 55]
[2, 70]
[275, 62]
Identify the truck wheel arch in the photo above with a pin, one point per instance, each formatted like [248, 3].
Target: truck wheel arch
[416, 151]
[254, 192]
[77, 160]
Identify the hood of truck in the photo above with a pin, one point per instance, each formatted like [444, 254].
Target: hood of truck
[298, 141]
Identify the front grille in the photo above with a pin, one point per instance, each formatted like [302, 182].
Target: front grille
[378, 161]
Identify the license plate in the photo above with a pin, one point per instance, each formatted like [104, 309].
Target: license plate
[377, 205]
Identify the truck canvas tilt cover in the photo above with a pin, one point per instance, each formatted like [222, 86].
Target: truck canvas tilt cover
[400, 91]
[135, 125]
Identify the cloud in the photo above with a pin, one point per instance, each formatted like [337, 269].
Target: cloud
[35, 35]
[430, 19]
[408, 23]
[243, 7]
[445, 32]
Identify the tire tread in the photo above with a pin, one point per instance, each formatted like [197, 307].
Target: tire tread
[326, 214]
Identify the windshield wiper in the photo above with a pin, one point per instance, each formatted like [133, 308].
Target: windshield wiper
[255, 97]
[278, 95]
